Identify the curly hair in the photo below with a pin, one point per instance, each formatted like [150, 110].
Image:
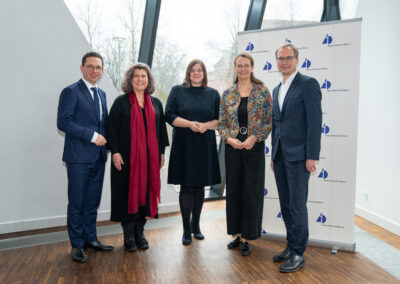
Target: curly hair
[126, 84]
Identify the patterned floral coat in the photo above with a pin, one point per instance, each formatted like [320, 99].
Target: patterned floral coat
[259, 109]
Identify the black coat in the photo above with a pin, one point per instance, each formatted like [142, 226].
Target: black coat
[119, 141]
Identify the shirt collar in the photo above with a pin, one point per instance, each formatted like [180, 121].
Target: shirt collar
[290, 79]
[88, 85]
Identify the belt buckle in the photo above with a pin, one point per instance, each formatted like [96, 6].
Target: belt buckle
[243, 130]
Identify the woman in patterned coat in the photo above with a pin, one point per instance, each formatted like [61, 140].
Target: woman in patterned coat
[244, 124]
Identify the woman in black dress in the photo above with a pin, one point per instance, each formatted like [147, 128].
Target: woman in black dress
[192, 109]
[137, 137]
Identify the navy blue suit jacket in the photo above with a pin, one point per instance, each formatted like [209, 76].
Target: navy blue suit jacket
[297, 127]
[77, 119]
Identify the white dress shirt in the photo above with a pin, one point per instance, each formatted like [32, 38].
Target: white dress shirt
[284, 88]
[89, 86]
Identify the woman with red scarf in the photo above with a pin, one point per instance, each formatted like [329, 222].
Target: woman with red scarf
[136, 137]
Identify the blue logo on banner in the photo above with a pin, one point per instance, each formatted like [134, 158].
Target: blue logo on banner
[327, 39]
[250, 47]
[267, 66]
[321, 218]
[323, 174]
[287, 40]
[325, 129]
[279, 215]
[265, 191]
[306, 63]
[263, 232]
[266, 150]
[326, 85]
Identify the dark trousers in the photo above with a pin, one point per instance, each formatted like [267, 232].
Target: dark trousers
[245, 176]
[292, 182]
[85, 183]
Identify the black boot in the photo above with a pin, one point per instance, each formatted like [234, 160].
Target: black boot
[141, 241]
[187, 234]
[195, 224]
[129, 238]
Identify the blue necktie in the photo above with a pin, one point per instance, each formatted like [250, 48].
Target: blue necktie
[96, 102]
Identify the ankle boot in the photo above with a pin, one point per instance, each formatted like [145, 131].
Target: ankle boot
[129, 238]
[141, 241]
[187, 234]
[195, 224]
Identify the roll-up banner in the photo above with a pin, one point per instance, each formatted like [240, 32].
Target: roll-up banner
[329, 52]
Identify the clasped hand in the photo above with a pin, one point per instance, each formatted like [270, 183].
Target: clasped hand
[196, 126]
[248, 144]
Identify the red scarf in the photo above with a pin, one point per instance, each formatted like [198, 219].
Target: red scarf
[141, 148]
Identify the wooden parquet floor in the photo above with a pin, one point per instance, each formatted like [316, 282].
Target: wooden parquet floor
[168, 261]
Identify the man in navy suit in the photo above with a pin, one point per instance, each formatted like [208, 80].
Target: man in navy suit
[82, 114]
[296, 143]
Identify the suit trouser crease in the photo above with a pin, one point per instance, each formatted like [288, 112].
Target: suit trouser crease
[245, 176]
[292, 182]
[85, 183]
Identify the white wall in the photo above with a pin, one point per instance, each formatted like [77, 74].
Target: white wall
[378, 169]
[40, 54]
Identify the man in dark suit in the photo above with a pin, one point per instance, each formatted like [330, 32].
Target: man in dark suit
[296, 143]
[82, 114]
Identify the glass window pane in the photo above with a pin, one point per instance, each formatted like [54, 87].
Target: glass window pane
[348, 9]
[190, 29]
[280, 13]
[112, 28]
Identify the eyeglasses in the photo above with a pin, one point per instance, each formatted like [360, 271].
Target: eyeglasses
[91, 67]
[287, 58]
[196, 71]
[240, 66]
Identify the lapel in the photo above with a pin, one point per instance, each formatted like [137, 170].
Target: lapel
[291, 91]
[275, 107]
[88, 97]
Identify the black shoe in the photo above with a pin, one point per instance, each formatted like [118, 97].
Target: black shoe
[234, 244]
[246, 250]
[129, 236]
[282, 256]
[186, 240]
[187, 232]
[195, 229]
[97, 245]
[294, 263]
[78, 254]
[141, 242]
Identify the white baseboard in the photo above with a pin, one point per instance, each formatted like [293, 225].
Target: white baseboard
[56, 221]
[168, 208]
[378, 220]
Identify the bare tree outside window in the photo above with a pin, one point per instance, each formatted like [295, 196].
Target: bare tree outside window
[88, 15]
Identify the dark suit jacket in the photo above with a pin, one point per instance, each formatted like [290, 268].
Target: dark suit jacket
[77, 119]
[297, 128]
